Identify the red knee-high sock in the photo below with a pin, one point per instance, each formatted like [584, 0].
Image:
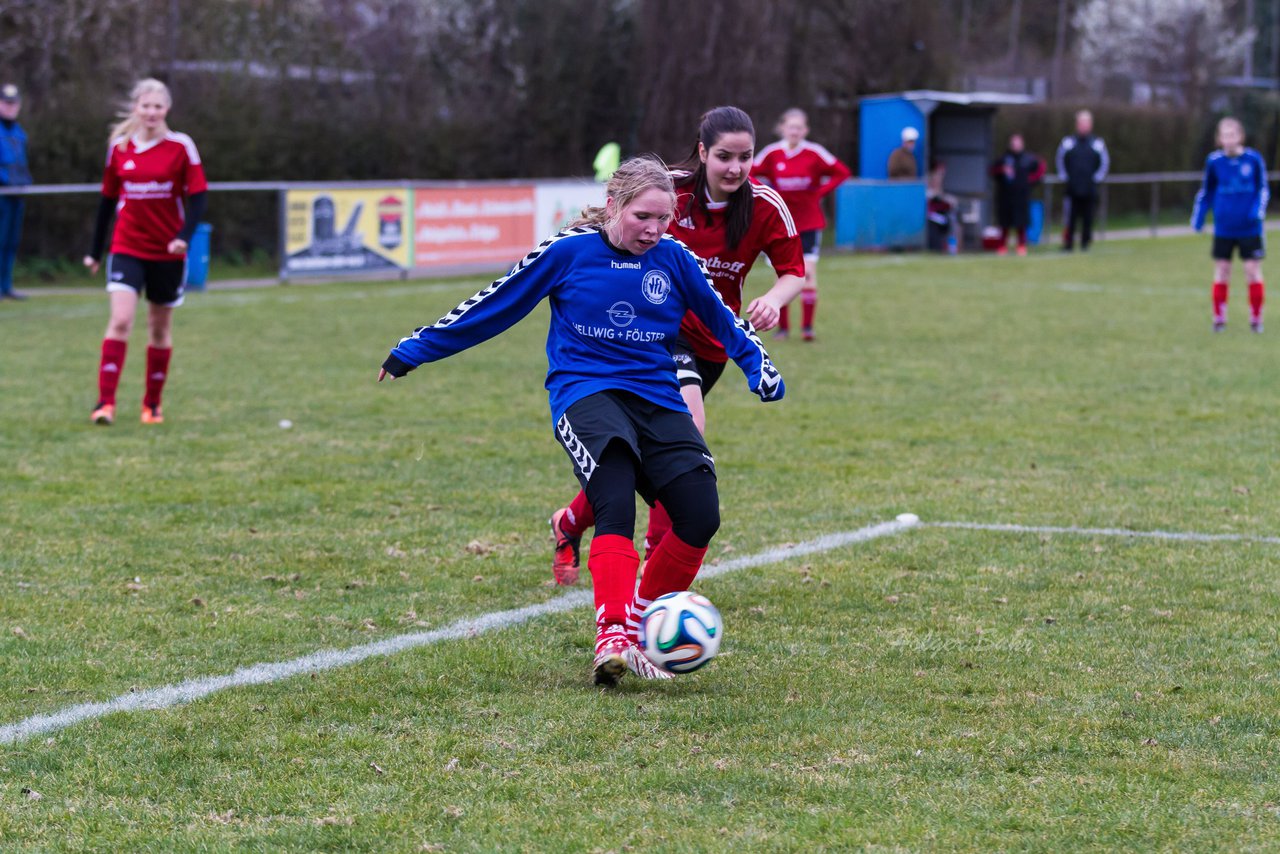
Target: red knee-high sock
[784, 318]
[1257, 296]
[672, 567]
[809, 301]
[659, 526]
[580, 516]
[1022, 237]
[157, 372]
[1219, 302]
[613, 563]
[109, 369]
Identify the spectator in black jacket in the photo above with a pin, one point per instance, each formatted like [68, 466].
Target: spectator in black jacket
[1016, 173]
[1082, 165]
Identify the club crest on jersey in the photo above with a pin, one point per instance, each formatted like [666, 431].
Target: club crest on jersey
[655, 287]
[622, 314]
[1246, 169]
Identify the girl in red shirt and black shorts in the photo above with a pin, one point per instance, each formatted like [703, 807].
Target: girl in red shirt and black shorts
[803, 172]
[155, 184]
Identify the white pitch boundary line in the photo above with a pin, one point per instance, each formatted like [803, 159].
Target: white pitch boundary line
[1185, 536]
[181, 693]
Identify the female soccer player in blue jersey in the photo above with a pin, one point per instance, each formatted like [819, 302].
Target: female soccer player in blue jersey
[1235, 189]
[618, 290]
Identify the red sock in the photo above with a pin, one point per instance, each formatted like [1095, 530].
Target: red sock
[672, 567]
[659, 527]
[809, 300]
[1022, 237]
[1219, 302]
[1257, 296]
[613, 563]
[784, 318]
[580, 516]
[109, 369]
[157, 372]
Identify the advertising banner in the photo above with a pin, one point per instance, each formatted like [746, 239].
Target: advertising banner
[560, 202]
[346, 231]
[462, 226]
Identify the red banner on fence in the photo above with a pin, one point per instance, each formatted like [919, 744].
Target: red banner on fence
[472, 225]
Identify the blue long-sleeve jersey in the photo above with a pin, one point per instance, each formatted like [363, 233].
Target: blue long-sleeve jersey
[13, 155]
[614, 320]
[1235, 189]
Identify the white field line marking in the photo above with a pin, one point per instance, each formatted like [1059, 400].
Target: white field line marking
[259, 674]
[1185, 536]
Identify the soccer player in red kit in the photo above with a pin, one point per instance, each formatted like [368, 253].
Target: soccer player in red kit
[727, 220]
[155, 183]
[803, 172]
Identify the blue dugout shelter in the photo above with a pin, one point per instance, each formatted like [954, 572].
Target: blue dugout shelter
[873, 212]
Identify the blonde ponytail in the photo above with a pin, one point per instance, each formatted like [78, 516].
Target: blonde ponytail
[129, 122]
[633, 177]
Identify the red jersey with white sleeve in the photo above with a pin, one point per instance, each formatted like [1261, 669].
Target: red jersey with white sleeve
[802, 176]
[150, 180]
[772, 232]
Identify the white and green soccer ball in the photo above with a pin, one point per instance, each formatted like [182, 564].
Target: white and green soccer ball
[681, 632]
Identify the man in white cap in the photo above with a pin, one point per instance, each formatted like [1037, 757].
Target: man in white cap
[902, 162]
[13, 173]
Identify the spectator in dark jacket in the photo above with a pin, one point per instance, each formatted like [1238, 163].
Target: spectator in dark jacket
[13, 173]
[1082, 165]
[1015, 173]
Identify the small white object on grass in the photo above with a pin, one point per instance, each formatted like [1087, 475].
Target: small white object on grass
[285, 423]
[908, 518]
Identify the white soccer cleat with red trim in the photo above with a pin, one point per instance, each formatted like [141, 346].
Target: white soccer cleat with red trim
[611, 655]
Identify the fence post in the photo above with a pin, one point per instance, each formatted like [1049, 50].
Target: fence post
[1155, 208]
[283, 248]
[1048, 213]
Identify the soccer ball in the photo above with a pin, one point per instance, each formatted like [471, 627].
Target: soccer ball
[681, 631]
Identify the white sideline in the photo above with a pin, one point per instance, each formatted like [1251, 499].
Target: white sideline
[1187, 536]
[258, 674]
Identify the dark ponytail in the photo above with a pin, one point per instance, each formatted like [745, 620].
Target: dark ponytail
[713, 125]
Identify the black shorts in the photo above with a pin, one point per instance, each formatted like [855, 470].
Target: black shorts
[692, 369]
[811, 242]
[163, 282]
[1250, 248]
[666, 443]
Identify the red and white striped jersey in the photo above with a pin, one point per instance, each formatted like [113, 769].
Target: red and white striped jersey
[802, 175]
[150, 180]
[772, 232]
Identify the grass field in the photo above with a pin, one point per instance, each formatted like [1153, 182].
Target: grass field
[940, 688]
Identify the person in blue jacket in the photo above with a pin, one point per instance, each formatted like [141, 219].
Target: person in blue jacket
[618, 288]
[1235, 189]
[13, 173]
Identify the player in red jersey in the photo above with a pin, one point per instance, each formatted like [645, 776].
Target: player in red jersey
[727, 220]
[154, 182]
[802, 172]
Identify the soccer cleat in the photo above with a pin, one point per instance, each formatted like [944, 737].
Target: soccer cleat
[1002, 251]
[105, 414]
[1256, 326]
[1022, 252]
[611, 655]
[151, 415]
[639, 664]
[780, 334]
[1219, 325]
[568, 552]
[807, 335]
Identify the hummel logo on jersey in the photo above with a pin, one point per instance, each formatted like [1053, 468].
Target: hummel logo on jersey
[129, 164]
[622, 314]
[655, 287]
[624, 265]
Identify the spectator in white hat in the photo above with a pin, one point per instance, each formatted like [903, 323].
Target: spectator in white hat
[902, 162]
[13, 173]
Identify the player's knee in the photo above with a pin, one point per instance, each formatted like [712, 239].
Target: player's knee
[119, 327]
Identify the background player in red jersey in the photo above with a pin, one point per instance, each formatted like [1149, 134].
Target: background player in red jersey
[727, 220]
[150, 171]
[803, 172]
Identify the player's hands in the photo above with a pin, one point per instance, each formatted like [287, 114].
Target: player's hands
[763, 314]
[91, 263]
[177, 246]
[382, 375]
